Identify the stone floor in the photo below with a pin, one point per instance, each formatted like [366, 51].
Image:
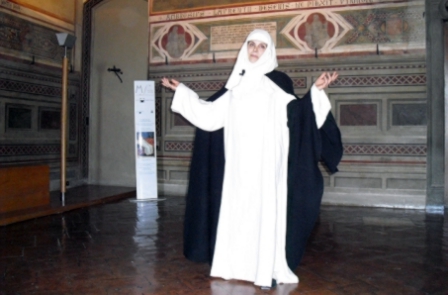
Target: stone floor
[136, 248]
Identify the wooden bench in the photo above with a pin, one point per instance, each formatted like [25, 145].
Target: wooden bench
[24, 187]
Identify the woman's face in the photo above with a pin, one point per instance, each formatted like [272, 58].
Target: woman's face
[255, 49]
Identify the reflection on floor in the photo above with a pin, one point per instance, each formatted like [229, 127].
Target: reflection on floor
[136, 248]
[75, 198]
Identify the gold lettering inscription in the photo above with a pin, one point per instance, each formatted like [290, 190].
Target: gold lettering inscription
[231, 37]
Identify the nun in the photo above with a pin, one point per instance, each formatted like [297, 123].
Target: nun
[255, 186]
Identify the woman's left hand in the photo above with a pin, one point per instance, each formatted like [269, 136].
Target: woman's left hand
[325, 79]
[170, 83]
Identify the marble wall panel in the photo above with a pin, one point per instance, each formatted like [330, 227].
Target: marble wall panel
[409, 114]
[358, 182]
[358, 114]
[406, 184]
[161, 175]
[19, 117]
[49, 119]
[179, 175]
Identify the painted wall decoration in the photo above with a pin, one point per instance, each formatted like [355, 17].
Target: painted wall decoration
[166, 6]
[21, 38]
[378, 100]
[31, 108]
[176, 41]
[316, 31]
[30, 86]
[29, 33]
[302, 28]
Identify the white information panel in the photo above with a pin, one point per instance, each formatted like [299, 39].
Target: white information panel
[145, 139]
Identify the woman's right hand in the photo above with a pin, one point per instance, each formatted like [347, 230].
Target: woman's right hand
[170, 83]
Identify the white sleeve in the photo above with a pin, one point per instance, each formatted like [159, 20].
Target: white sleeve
[321, 105]
[206, 115]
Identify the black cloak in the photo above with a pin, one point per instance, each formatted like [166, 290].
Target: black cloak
[308, 145]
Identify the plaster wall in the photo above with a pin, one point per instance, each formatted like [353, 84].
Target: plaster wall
[119, 38]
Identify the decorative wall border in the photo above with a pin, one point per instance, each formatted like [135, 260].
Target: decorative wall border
[341, 68]
[206, 85]
[385, 149]
[349, 149]
[159, 118]
[178, 146]
[10, 73]
[298, 69]
[342, 81]
[249, 9]
[15, 150]
[383, 80]
[73, 112]
[216, 85]
[32, 88]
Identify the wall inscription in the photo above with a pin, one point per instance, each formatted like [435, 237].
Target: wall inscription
[255, 9]
[232, 37]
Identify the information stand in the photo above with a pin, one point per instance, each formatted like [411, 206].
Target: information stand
[145, 140]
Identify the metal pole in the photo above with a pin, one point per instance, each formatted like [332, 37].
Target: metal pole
[64, 126]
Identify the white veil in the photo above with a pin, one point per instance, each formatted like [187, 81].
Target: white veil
[253, 72]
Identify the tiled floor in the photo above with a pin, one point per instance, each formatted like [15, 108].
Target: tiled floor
[136, 248]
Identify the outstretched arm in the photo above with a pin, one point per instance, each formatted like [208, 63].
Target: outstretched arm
[206, 115]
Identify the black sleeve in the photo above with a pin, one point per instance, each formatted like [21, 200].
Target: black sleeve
[282, 80]
[330, 145]
[332, 148]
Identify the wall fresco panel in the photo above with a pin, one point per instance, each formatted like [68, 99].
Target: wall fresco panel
[377, 47]
[299, 28]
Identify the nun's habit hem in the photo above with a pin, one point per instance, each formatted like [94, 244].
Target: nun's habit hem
[308, 145]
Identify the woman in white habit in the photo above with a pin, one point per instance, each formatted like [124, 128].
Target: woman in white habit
[250, 241]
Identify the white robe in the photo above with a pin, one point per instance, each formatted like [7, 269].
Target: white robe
[251, 235]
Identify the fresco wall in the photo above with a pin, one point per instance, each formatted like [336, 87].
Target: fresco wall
[379, 99]
[300, 29]
[30, 86]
